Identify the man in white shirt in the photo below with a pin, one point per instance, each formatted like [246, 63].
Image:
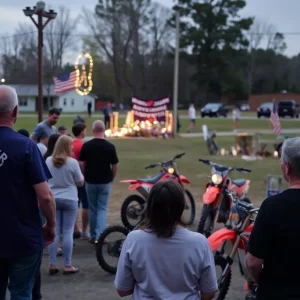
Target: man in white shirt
[192, 117]
[43, 142]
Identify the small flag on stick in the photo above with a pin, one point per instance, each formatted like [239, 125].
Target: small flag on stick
[275, 119]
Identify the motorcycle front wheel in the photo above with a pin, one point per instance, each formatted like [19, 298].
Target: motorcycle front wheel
[109, 247]
[206, 222]
[223, 282]
[190, 208]
[132, 211]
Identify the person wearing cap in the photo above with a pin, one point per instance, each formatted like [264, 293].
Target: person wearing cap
[78, 120]
[62, 130]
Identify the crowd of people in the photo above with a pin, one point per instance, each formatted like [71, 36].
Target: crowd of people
[60, 172]
[41, 188]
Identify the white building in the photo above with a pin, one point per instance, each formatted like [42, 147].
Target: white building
[69, 101]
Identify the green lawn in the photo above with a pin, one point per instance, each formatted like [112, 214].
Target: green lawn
[134, 155]
[219, 124]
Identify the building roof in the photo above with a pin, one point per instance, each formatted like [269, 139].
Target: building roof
[31, 90]
[28, 90]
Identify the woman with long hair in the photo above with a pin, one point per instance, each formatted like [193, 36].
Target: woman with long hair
[67, 176]
[51, 144]
[163, 259]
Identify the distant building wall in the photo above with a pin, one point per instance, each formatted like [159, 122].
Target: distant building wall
[256, 100]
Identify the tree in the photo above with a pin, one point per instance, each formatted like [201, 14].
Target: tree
[214, 31]
[112, 31]
[59, 37]
[262, 35]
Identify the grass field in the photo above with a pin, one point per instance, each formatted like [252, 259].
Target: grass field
[219, 124]
[135, 154]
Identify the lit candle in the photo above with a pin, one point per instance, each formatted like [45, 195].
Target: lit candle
[128, 119]
[167, 118]
[111, 125]
[116, 120]
[132, 119]
[171, 122]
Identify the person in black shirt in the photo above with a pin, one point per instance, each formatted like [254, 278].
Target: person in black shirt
[99, 161]
[274, 245]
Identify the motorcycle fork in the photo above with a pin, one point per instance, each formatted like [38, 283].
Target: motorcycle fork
[218, 206]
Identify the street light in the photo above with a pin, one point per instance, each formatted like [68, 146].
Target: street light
[39, 10]
[2, 80]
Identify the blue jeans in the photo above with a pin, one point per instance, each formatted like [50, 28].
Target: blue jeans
[98, 196]
[66, 214]
[18, 275]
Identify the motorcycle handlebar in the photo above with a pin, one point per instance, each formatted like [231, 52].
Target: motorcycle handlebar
[205, 161]
[151, 166]
[166, 162]
[208, 162]
[178, 156]
[243, 170]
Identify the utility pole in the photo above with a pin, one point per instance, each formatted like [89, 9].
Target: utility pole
[39, 10]
[176, 75]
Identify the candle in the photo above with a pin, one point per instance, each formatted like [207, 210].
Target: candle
[167, 118]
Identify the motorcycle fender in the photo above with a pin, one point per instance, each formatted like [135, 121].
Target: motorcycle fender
[220, 236]
[134, 186]
[184, 179]
[211, 195]
[129, 181]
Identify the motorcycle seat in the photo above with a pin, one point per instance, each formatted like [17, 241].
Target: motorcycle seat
[239, 182]
[152, 179]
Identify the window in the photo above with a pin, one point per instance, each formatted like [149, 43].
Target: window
[65, 101]
[72, 102]
[23, 102]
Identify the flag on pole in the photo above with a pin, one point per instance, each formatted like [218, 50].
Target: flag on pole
[64, 82]
[275, 119]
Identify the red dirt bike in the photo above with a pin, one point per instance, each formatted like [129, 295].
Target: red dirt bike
[216, 199]
[238, 232]
[134, 205]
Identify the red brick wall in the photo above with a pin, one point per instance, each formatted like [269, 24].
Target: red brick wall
[256, 100]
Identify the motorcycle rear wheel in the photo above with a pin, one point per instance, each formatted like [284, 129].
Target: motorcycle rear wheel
[133, 212]
[223, 290]
[206, 225]
[113, 248]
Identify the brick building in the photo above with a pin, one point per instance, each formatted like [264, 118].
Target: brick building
[256, 100]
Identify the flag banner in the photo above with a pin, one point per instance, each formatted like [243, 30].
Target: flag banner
[64, 82]
[152, 110]
[275, 119]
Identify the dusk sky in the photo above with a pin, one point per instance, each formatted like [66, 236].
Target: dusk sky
[284, 15]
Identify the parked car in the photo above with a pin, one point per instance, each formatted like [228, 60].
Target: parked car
[288, 108]
[244, 107]
[214, 110]
[264, 110]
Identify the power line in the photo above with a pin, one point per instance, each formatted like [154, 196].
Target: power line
[296, 33]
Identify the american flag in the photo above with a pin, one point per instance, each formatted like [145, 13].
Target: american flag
[64, 82]
[275, 119]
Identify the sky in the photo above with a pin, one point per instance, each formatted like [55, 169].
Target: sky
[283, 14]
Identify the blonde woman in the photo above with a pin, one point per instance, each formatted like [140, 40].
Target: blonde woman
[66, 177]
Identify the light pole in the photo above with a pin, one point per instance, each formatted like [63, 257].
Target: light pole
[176, 73]
[39, 10]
